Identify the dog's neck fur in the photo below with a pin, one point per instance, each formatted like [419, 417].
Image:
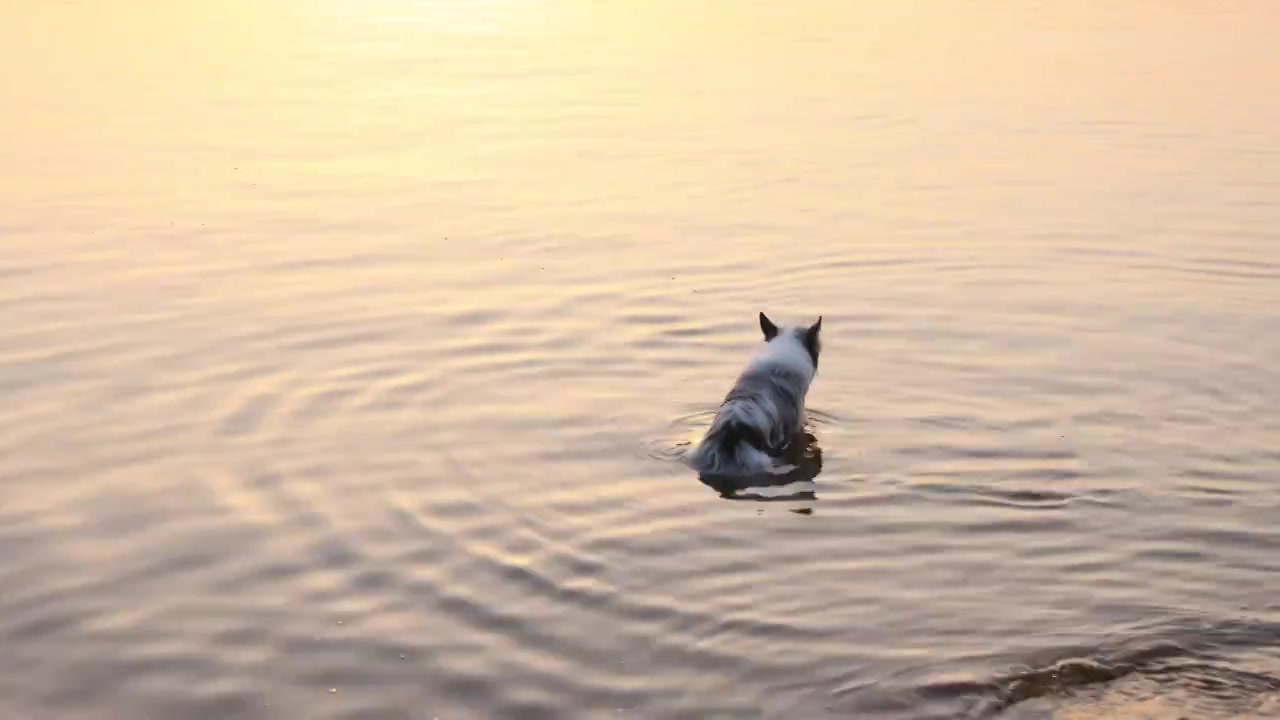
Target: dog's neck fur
[787, 350]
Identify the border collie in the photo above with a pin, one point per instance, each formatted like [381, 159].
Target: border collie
[764, 412]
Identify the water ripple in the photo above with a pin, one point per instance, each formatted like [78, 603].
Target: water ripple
[354, 381]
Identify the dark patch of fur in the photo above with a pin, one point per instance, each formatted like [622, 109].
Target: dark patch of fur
[770, 385]
[768, 328]
[736, 432]
[812, 342]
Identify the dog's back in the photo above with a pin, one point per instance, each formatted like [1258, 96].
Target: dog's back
[765, 409]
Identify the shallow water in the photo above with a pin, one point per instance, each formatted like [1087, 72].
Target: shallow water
[350, 350]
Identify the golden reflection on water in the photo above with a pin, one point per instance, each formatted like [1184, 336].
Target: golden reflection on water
[408, 109]
[263, 258]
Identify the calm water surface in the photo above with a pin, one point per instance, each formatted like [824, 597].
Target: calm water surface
[350, 348]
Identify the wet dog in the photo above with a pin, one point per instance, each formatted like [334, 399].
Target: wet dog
[764, 412]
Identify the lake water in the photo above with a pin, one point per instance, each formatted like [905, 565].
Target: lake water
[350, 349]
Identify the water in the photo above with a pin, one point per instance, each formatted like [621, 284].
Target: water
[350, 348]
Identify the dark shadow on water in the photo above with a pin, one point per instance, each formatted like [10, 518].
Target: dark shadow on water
[803, 453]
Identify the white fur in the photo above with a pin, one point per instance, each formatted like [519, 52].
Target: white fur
[786, 350]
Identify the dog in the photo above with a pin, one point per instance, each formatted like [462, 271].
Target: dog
[764, 412]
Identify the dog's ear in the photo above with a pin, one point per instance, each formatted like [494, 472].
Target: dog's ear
[811, 341]
[768, 328]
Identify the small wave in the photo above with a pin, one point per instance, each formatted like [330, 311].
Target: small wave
[1193, 663]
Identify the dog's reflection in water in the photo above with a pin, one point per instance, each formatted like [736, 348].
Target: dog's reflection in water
[803, 453]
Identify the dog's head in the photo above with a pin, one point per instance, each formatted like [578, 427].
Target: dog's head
[809, 337]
